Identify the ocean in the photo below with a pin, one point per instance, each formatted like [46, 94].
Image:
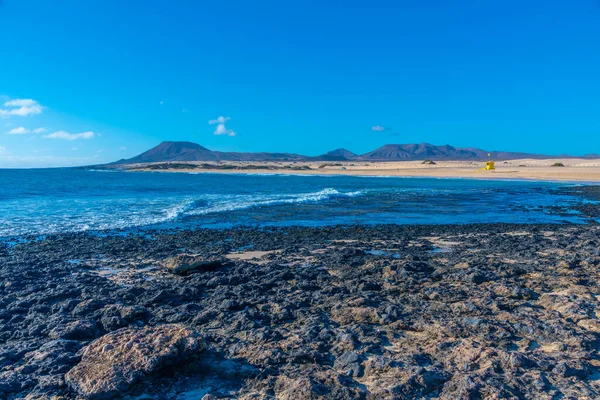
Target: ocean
[47, 201]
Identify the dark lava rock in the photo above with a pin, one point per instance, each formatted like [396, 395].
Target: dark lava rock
[510, 312]
[185, 264]
[349, 364]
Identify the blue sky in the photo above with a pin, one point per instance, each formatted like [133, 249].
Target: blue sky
[104, 80]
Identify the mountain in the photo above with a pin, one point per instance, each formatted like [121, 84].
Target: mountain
[188, 151]
[427, 151]
[336, 155]
[173, 151]
[423, 151]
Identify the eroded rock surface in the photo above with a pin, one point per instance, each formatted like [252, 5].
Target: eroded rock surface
[110, 365]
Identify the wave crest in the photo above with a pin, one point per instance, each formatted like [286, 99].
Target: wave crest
[241, 202]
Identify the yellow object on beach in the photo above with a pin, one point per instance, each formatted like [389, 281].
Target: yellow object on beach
[489, 166]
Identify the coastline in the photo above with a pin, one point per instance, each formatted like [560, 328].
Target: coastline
[534, 172]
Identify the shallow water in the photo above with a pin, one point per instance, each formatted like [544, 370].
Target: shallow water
[71, 200]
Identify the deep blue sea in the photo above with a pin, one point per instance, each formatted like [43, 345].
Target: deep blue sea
[71, 200]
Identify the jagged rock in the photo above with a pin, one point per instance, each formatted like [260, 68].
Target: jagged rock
[319, 385]
[349, 364]
[74, 330]
[301, 322]
[114, 362]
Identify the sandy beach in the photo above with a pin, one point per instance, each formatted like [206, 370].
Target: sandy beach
[580, 170]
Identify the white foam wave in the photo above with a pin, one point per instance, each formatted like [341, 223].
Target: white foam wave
[242, 202]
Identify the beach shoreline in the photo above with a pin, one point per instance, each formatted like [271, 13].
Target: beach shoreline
[573, 170]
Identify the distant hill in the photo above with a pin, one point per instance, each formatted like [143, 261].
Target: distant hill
[336, 155]
[427, 151]
[188, 151]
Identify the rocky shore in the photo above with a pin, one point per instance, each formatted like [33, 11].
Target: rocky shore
[382, 312]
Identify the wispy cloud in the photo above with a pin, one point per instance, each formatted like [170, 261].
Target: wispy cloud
[18, 131]
[3, 150]
[69, 136]
[220, 120]
[122, 148]
[21, 130]
[221, 129]
[378, 128]
[20, 108]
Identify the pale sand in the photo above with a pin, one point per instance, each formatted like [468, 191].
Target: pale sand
[581, 170]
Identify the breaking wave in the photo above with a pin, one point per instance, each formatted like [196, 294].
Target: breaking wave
[217, 204]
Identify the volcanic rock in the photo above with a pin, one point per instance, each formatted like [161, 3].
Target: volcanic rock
[185, 264]
[114, 362]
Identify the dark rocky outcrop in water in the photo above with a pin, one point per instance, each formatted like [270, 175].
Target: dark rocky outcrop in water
[382, 312]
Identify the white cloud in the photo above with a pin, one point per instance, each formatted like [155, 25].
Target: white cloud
[39, 130]
[378, 128]
[74, 149]
[220, 120]
[20, 103]
[21, 108]
[3, 150]
[69, 136]
[18, 131]
[122, 148]
[221, 129]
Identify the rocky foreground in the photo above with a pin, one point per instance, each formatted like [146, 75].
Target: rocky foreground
[388, 312]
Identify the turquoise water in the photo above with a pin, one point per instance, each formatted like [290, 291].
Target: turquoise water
[71, 200]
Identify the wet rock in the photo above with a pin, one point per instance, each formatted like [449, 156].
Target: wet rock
[114, 362]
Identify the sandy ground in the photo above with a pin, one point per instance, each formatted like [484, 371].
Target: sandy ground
[574, 169]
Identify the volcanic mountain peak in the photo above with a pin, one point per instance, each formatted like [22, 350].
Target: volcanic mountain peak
[172, 151]
[341, 152]
[336, 155]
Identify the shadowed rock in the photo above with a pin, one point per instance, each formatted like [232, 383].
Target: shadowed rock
[114, 362]
[185, 264]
